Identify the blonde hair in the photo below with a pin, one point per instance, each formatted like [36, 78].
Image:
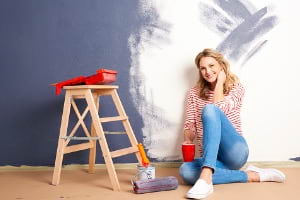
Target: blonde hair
[231, 79]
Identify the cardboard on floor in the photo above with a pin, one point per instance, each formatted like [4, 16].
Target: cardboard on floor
[77, 184]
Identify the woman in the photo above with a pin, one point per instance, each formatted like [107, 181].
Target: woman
[213, 117]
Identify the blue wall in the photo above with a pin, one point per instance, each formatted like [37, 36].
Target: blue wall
[47, 41]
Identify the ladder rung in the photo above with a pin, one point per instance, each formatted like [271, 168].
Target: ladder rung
[112, 119]
[123, 152]
[114, 132]
[80, 138]
[92, 138]
[77, 147]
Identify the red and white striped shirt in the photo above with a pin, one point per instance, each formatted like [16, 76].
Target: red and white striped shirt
[230, 105]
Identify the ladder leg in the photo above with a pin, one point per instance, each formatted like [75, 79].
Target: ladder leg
[103, 143]
[61, 142]
[126, 123]
[92, 154]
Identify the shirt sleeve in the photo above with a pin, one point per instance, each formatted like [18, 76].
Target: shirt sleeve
[233, 100]
[190, 113]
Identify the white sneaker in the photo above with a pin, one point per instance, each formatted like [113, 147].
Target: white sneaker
[200, 190]
[273, 175]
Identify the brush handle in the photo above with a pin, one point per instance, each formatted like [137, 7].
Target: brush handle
[145, 160]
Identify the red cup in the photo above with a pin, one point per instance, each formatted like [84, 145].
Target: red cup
[188, 152]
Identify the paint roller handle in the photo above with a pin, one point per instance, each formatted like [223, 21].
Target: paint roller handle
[145, 160]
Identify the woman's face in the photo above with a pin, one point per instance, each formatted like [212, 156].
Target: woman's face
[209, 69]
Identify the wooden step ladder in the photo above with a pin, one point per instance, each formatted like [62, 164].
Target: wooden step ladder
[92, 93]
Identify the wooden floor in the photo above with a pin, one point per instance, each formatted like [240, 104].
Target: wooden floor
[77, 184]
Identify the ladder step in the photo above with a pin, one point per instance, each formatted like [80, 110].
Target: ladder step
[124, 151]
[114, 132]
[112, 119]
[77, 147]
[92, 138]
[80, 138]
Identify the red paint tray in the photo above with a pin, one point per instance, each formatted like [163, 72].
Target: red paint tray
[103, 76]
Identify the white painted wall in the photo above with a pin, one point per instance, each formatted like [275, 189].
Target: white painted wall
[164, 64]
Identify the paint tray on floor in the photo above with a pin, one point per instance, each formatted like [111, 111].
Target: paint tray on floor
[102, 76]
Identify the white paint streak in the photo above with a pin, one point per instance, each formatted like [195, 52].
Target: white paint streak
[162, 70]
[167, 71]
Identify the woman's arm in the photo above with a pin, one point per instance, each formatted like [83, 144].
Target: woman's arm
[234, 99]
[189, 132]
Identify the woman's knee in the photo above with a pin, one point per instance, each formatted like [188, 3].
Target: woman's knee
[209, 111]
[237, 156]
[188, 173]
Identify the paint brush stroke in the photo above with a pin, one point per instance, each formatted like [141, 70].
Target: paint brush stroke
[234, 48]
[295, 159]
[248, 28]
[235, 9]
[253, 51]
[214, 20]
[239, 40]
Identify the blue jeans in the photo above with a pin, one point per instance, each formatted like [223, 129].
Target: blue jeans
[225, 150]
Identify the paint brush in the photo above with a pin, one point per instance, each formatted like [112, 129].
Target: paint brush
[145, 160]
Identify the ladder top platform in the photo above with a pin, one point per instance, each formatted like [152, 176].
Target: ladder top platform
[74, 87]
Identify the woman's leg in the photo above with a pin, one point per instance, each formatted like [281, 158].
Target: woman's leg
[190, 173]
[221, 141]
[225, 151]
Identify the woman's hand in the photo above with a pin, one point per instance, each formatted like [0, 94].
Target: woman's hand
[218, 95]
[221, 77]
[187, 142]
[189, 137]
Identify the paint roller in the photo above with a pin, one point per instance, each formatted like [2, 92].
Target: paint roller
[155, 185]
[152, 185]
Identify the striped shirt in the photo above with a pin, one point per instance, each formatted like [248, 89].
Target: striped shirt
[230, 105]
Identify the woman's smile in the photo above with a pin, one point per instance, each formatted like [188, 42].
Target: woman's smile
[209, 69]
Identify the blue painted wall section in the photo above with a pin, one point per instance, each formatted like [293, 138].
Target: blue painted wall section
[42, 42]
